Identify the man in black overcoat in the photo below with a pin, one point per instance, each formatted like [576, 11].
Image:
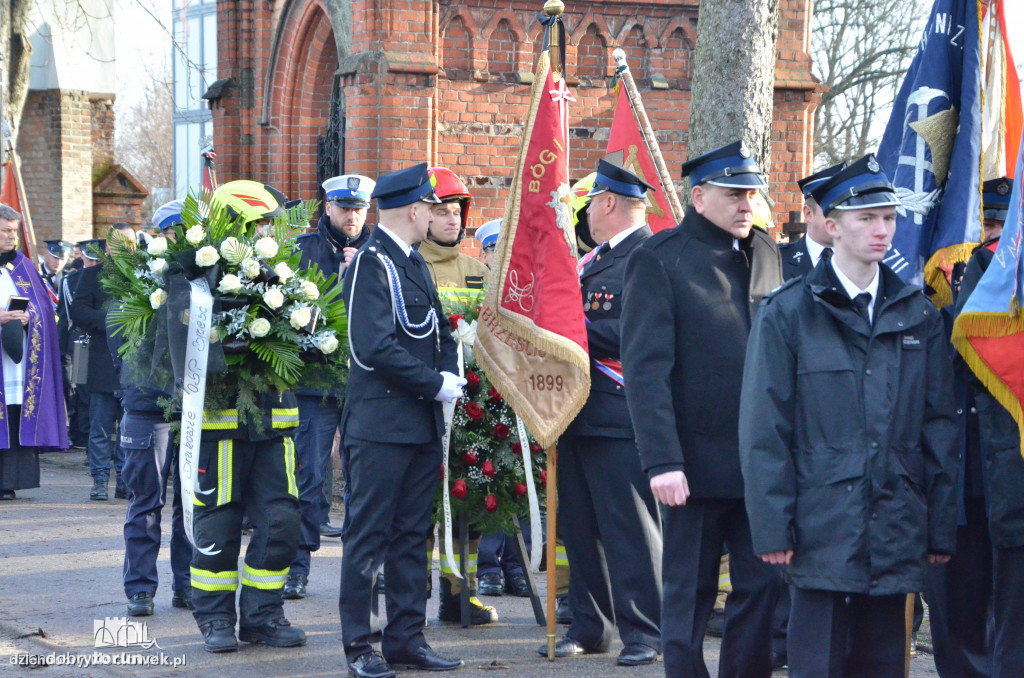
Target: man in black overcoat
[615, 538]
[403, 367]
[690, 295]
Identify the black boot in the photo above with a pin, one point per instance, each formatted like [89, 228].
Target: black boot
[451, 608]
[276, 633]
[295, 586]
[98, 491]
[219, 635]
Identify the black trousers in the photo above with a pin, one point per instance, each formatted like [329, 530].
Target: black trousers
[846, 635]
[694, 535]
[256, 479]
[1008, 650]
[390, 498]
[960, 601]
[613, 540]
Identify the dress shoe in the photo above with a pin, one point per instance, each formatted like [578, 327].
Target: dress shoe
[637, 654]
[140, 605]
[779, 660]
[424, 659]
[295, 586]
[276, 633]
[451, 611]
[517, 586]
[182, 598]
[490, 584]
[716, 623]
[7, 495]
[370, 665]
[219, 635]
[565, 647]
[98, 491]
[563, 611]
[120, 491]
[328, 530]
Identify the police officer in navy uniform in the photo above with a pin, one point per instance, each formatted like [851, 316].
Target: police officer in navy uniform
[691, 293]
[614, 542]
[847, 439]
[974, 601]
[340, 232]
[403, 367]
[800, 257]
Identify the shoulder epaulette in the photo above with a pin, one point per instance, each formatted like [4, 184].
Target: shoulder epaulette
[666, 235]
[784, 286]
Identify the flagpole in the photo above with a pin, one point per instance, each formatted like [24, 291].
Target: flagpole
[26, 218]
[645, 128]
[554, 9]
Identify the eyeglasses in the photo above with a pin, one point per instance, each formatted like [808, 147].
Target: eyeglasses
[489, 248]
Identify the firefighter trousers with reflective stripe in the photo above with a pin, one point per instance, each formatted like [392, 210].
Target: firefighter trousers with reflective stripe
[236, 478]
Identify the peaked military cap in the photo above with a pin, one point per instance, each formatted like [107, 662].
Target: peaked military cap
[404, 187]
[349, 190]
[808, 184]
[995, 198]
[91, 248]
[730, 166]
[611, 177]
[167, 215]
[57, 248]
[488, 233]
[859, 186]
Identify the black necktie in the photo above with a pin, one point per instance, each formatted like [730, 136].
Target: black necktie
[826, 253]
[601, 251]
[861, 303]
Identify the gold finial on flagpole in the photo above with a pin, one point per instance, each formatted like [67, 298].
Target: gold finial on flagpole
[554, 7]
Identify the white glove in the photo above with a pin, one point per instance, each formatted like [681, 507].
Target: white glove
[451, 388]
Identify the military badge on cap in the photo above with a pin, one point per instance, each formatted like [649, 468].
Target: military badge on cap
[995, 198]
[349, 190]
[729, 166]
[856, 187]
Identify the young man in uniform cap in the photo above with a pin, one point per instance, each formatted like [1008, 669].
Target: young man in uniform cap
[340, 232]
[55, 255]
[614, 541]
[487, 235]
[691, 293]
[847, 438]
[982, 630]
[801, 256]
[166, 217]
[403, 367]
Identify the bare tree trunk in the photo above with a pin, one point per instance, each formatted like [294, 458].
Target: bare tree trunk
[17, 55]
[734, 76]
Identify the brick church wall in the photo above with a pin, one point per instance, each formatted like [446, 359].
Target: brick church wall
[448, 83]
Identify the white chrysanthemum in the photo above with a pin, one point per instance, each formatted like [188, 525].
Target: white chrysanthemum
[284, 271]
[234, 251]
[266, 248]
[328, 344]
[157, 246]
[216, 333]
[300, 317]
[250, 268]
[195, 235]
[229, 284]
[157, 298]
[310, 290]
[274, 298]
[259, 327]
[157, 265]
[207, 256]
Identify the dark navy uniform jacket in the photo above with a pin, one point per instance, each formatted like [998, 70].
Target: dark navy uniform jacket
[606, 412]
[393, 377]
[796, 260]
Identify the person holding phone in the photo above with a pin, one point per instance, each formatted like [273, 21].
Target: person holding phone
[33, 417]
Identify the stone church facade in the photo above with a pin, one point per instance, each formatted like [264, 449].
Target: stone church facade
[318, 87]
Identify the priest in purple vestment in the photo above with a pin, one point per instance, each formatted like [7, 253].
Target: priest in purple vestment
[32, 414]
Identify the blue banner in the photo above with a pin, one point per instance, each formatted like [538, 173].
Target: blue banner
[931, 148]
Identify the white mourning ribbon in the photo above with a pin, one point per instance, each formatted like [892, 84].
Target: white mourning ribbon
[531, 495]
[449, 415]
[197, 351]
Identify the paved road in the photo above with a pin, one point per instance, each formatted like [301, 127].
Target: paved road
[60, 574]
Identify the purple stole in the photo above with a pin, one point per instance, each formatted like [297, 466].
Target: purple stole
[43, 415]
